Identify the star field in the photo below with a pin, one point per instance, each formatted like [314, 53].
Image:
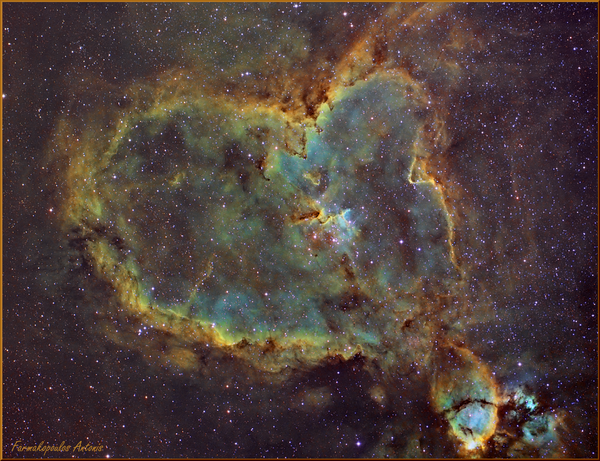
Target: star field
[300, 229]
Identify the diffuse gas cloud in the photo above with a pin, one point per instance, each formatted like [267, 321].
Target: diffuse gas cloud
[307, 188]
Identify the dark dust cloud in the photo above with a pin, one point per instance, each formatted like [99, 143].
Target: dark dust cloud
[300, 230]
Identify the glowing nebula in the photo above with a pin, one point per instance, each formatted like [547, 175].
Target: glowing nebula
[285, 197]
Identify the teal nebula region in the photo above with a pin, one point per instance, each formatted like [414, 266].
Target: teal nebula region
[230, 229]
